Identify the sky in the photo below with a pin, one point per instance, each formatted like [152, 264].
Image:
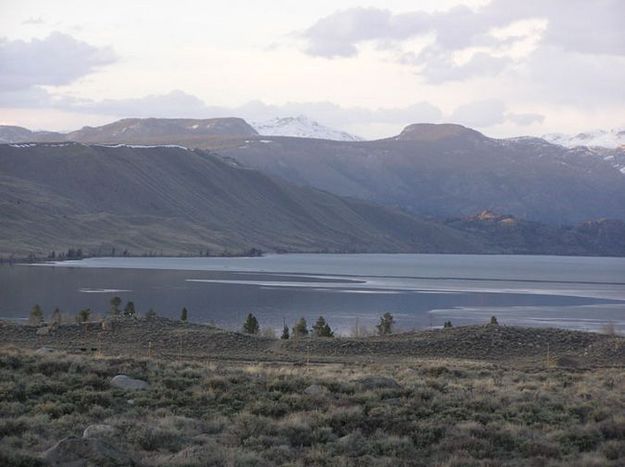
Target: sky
[504, 67]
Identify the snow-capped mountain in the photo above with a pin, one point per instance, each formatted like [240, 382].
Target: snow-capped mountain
[302, 127]
[598, 138]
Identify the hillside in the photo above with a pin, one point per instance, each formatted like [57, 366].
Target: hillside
[430, 170]
[518, 236]
[450, 171]
[201, 396]
[170, 200]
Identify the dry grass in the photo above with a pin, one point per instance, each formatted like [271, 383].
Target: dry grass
[445, 412]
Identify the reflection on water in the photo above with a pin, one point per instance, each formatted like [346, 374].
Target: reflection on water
[420, 290]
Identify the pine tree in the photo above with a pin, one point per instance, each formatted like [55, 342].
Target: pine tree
[250, 326]
[285, 332]
[184, 315]
[83, 315]
[493, 321]
[129, 310]
[55, 318]
[115, 304]
[301, 328]
[150, 314]
[36, 315]
[322, 328]
[447, 324]
[386, 324]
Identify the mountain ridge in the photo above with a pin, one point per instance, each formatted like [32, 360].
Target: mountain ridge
[301, 127]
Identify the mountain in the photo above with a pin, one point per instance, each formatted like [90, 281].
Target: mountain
[597, 138]
[170, 200]
[518, 236]
[144, 131]
[449, 171]
[17, 134]
[301, 127]
[429, 170]
[182, 131]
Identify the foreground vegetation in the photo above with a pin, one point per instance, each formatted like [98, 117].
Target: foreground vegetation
[443, 412]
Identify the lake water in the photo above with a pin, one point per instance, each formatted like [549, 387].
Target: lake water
[420, 290]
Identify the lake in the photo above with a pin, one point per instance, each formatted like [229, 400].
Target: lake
[421, 291]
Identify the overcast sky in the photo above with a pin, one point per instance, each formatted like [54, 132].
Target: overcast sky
[505, 67]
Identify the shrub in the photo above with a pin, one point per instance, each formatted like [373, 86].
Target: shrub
[387, 322]
[36, 316]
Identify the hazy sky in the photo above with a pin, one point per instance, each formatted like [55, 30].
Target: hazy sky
[505, 67]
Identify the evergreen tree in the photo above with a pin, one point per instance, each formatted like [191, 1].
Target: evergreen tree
[386, 324]
[250, 326]
[115, 304]
[184, 315]
[151, 314]
[322, 328]
[301, 328]
[55, 317]
[447, 324]
[36, 315]
[129, 310]
[83, 315]
[285, 332]
[493, 321]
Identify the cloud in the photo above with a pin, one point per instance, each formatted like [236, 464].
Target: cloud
[180, 104]
[491, 112]
[572, 26]
[525, 119]
[58, 59]
[480, 114]
[174, 104]
[33, 21]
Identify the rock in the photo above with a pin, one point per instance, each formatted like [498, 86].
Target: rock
[44, 350]
[107, 325]
[98, 431]
[126, 382]
[378, 382]
[316, 390]
[44, 331]
[85, 452]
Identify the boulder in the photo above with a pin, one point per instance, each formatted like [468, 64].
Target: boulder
[316, 390]
[85, 452]
[378, 382]
[44, 331]
[44, 350]
[98, 431]
[126, 382]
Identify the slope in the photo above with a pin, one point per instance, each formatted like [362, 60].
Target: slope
[169, 200]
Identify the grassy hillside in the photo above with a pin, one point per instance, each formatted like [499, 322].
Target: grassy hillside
[169, 200]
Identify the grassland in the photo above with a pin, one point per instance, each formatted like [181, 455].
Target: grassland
[307, 403]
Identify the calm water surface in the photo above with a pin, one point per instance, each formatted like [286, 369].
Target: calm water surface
[420, 290]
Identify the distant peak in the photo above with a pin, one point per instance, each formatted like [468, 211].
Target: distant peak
[301, 126]
[435, 132]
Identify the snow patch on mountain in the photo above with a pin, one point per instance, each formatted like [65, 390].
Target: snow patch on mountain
[598, 138]
[301, 127]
